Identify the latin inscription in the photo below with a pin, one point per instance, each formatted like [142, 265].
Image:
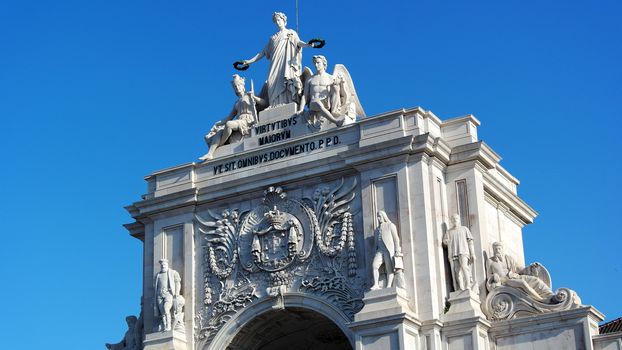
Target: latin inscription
[273, 126]
[279, 136]
[284, 152]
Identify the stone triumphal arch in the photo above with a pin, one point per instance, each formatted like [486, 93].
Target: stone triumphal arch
[309, 224]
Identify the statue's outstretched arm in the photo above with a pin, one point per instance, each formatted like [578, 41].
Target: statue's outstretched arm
[255, 58]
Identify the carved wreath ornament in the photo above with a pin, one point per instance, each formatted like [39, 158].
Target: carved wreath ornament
[269, 245]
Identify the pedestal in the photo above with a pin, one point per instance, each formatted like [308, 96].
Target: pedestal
[169, 340]
[570, 329]
[386, 321]
[464, 325]
[463, 304]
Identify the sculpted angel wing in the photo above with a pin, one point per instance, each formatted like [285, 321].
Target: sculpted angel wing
[306, 74]
[538, 270]
[349, 91]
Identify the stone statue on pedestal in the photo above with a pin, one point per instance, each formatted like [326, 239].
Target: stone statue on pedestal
[328, 96]
[167, 286]
[459, 242]
[133, 337]
[230, 130]
[388, 252]
[284, 51]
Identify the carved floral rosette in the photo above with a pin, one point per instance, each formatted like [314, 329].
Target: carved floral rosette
[282, 244]
[504, 303]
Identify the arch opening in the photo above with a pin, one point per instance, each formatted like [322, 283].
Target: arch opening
[290, 328]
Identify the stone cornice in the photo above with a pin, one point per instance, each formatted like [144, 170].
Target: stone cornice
[147, 207]
[516, 206]
[510, 214]
[136, 230]
[465, 323]
[474, 151]
[170, 169]
[461, 119]
[392, 319]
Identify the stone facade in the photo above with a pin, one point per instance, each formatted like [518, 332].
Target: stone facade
[310, 225]
[291, 224]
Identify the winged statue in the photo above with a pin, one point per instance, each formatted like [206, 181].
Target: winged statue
[329, 96]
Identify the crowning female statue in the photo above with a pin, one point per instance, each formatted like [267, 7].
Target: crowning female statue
[284, 51]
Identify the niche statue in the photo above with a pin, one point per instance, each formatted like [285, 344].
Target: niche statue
[388, 252]
[459, 242]
[167, 285]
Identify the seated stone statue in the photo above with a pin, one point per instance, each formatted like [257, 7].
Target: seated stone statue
[514, 291]
[533, 280]
[330, 97]
[231, 130]
[133, 337]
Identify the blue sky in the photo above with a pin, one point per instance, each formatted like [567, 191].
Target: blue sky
[96, 94]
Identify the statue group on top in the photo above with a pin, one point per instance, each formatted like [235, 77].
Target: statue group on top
[328, 97]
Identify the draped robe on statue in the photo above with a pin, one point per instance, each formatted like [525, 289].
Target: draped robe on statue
[508, 273]
[285, 58]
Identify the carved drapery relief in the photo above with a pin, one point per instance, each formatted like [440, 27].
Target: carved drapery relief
[283, 244]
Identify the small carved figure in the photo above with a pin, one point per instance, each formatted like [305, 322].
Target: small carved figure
[167, 285]
[178, 314]
[329, 96]
[504, 271]
[388, 251]
[245, 108]
[292, 238]
[132, 339]
[284, 51]
[256, 249]
[459, 242]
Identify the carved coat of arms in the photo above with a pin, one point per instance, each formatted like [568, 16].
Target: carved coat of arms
[282, 244]
[275, 233]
